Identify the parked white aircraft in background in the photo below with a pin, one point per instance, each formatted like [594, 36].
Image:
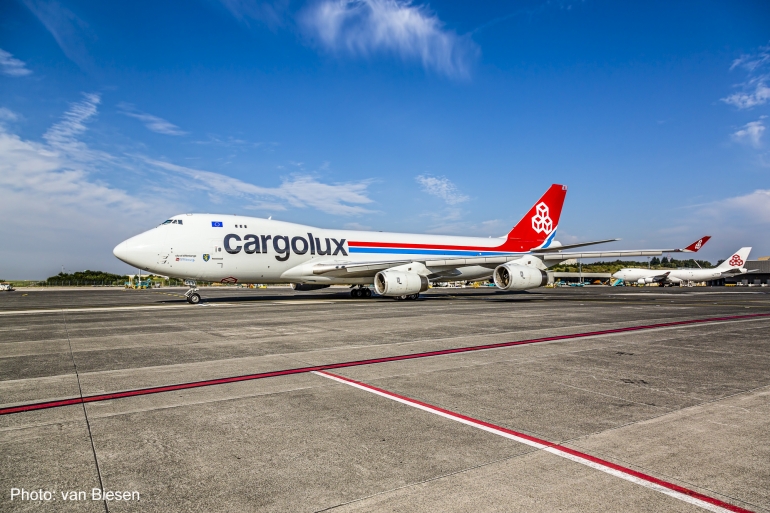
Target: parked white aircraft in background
[731, 266]
[237, 249]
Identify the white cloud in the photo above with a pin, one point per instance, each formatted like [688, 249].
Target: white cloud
[741, 220]
[752, 62]
[751, 133]
[11, 66]
[755, 90]
[300, 191]
[59, 213]
[153, 123]
[442, 188]
[751, 98]
[364, 27]
[755, 206]
[8, 114]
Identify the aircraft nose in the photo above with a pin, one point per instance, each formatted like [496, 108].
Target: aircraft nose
[121, 251]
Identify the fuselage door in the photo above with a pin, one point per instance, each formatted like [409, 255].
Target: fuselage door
[217, 253]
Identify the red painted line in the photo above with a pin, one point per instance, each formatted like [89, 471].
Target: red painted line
[539, 442]
[508, 245]
[355, 363]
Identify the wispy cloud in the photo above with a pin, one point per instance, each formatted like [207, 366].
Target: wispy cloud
[356, 226]
[299, 191]
[235, 143]
[7, 114]
[153, 123]
[754, 91]
[412, 32]
[64, 135]
[65, 27]
[441, 187]
[751, 133]
[11, 66]
[270, 13]
[740, 220]
[755, 204]
[753, 207]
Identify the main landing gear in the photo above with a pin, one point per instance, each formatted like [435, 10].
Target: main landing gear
[361, 291]
[406, 297]
[192, 293]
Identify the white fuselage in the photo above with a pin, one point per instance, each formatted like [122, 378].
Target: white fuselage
[238, 249]
[674, 276]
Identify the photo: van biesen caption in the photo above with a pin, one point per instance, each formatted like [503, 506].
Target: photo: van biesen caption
[95, 494]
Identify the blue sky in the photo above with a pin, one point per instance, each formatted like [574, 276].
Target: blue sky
[447, 117]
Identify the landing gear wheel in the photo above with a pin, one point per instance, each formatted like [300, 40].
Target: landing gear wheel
[402, 298]
[194, 299]
[367, 292]
[414, 296]
[355, 293]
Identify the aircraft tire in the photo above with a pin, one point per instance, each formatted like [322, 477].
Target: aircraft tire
[355, 293]
[194, 299]
[367, 292]
[414, 296]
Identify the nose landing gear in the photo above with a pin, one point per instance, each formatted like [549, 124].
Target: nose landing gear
[361, 291]
[192, 293]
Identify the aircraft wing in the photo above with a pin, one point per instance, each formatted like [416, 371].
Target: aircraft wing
[604, 254]
[660, 277]
[556, 254]
[357, 269]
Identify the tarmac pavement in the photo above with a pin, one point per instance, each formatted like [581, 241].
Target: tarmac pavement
[685, 404]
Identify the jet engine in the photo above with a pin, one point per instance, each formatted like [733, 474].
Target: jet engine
[519, 277]
[399, 283]
[642, 281]
[304, 287]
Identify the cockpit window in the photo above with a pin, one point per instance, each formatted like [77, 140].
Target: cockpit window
[166, 222]
[172, 221]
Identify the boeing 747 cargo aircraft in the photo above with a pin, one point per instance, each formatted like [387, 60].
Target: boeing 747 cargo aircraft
[238, 249]
[731, 266]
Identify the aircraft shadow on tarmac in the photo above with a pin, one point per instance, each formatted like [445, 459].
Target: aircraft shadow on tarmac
[493, 295]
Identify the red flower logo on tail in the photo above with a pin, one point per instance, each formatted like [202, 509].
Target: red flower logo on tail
[736, 261]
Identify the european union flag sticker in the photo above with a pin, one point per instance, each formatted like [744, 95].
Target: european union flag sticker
[216, 224]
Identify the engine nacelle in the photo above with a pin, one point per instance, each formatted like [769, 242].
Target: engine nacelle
[304, 287]
[642, 281]
[399, 283]
[519, 277]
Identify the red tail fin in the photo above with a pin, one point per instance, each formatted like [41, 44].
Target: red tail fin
[695, 246]
[537, 226]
